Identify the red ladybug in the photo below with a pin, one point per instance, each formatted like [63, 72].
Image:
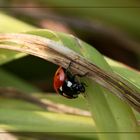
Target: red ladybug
[67, 84]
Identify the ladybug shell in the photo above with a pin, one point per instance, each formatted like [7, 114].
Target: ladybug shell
[59, 78]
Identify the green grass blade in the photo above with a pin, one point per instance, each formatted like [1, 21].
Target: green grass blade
[7, 79]
[126, 72]
[10, 24]
[36, 121]
[109, 112]
[7, 24]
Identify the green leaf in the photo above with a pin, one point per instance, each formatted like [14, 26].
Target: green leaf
[126, 72]
[39, 121]
[8, 79]
[7, 24]
[10, 24]
[7, 56]
[109, 112]
[6, 103]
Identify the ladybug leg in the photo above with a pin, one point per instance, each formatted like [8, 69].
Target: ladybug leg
[68, 73]
[81, 75]
[68, 68]
[84, 84]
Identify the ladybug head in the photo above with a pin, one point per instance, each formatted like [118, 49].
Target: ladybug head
[79, 87]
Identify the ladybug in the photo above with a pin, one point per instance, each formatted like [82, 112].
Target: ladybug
[66, 84]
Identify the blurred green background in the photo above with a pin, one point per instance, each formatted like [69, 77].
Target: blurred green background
[112, 27]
